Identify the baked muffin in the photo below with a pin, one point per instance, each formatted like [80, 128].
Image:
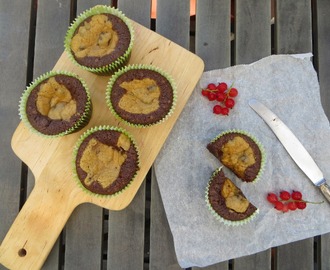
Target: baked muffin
[106, 160]
[240, 152]
[227, 202]
[141, 95]
[100, 40]
[56, 104]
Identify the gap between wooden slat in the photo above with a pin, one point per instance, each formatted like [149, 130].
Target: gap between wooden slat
[147, 221]
[29, 77]
[73, 10]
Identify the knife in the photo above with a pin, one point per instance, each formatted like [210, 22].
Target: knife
[294, 147]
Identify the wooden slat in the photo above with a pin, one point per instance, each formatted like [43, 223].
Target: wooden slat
[83, 5]
[261, 260]
[218, 266]
[84, 229]
[213, 33]
[126, 235]
[323, 63]
[162, 254]
[48, 48]
[52, 17]
[293, 32]
[83, 238]
[173, 20]
[297, 255]
[324, 252]
[126, 227]
[252, 30]
[14, 44]
[293, 25]
[137, 10]
[252, 42]
[322, 51]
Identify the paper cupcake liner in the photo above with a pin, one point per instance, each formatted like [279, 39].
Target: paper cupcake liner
[75, 152]
[217, 216]
[99, 9]
[147, 67]
[84, 119]
[261, 147]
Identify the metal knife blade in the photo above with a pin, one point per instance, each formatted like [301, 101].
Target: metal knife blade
[293, 146]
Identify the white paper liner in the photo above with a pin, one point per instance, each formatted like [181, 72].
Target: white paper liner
[289, 87]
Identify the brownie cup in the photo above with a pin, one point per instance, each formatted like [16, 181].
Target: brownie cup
[227, 202]
[141, 95]
[100, 39]
[56, 104]
[106, 160]
[239, 152]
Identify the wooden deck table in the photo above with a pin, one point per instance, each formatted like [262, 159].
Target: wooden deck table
[223, 33]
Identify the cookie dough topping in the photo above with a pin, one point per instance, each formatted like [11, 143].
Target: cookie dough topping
[141, 97]
[237, 155]
[102, 162]
[234, 200]
[95, 38]
[55, 101]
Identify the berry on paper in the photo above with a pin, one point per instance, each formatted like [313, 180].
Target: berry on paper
[287, 201]
[222, 95]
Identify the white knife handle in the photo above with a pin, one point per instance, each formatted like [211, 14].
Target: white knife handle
[326, 191]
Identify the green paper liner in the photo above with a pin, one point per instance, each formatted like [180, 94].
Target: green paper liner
[147, 67]
[83, 120]
[75, 152]
[261, 147]
[220, 218]
[120, 61]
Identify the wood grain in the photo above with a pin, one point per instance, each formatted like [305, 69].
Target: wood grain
[56, 194]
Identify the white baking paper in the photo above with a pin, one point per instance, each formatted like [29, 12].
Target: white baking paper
[289, 87]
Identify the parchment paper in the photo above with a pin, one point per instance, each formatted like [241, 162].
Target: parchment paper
[289, 87]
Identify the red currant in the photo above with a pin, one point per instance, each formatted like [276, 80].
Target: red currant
[278, 205]
[285, 208]
[205, 92]
[217, 109]
[296, 195]
[221, 93]
[272, 197]
[211, 96]
[211, 86]
[233, 92]
[301, 205]
[230, 103]
[221, 96]
[222, 87]
[292, 206]
[287, 201]
[224, 111]
[285, 195]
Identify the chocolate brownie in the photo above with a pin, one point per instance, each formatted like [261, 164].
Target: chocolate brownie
[227, 200]
[142, 96]
[56, 104]
[239, 153]
[100, 40]
[106, 161]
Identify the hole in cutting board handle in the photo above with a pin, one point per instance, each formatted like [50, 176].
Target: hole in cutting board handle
[22, 252]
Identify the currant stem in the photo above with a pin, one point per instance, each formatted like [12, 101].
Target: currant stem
[287, 201]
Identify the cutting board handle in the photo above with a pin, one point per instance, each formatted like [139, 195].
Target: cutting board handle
[37, 227]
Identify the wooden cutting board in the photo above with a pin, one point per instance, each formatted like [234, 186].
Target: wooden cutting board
[55, 195]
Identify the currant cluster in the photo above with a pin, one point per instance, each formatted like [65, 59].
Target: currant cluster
[222, 94]
[288, 201]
